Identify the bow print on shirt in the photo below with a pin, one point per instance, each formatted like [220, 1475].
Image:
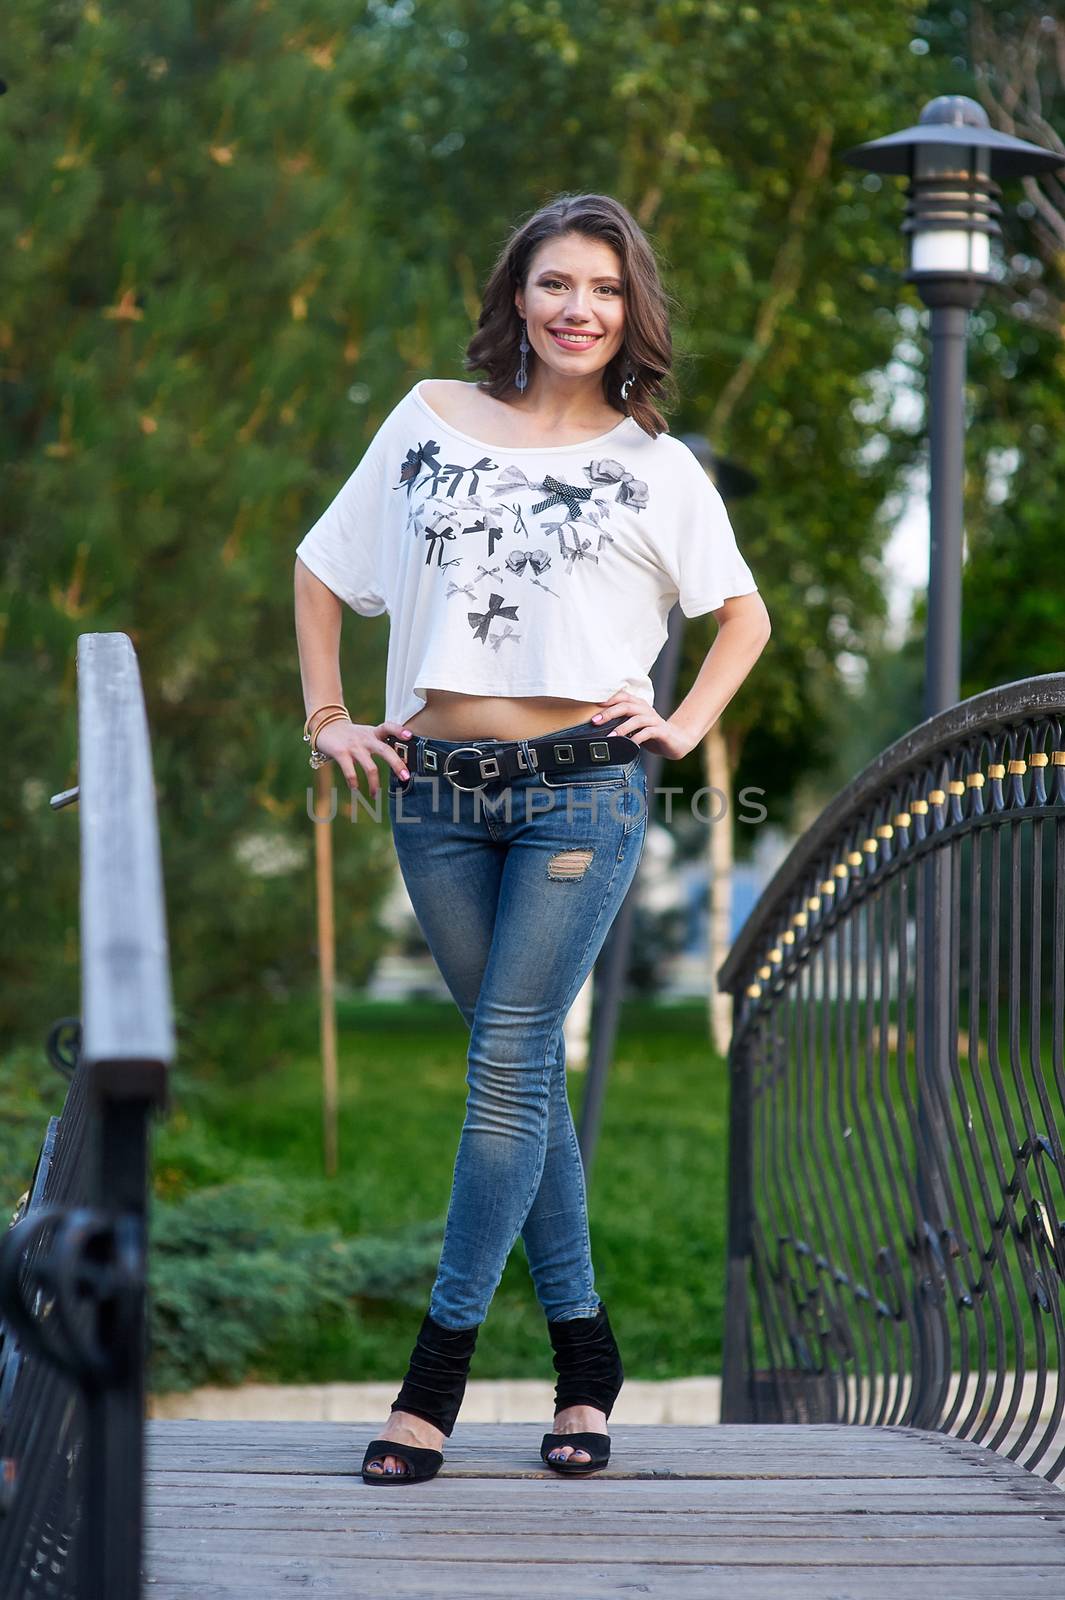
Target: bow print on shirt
[426, 456]
[570, 495]
[520, 525]
[512, 478]
[439, 532]
[416, 519]
[494, 532]
[496, 639]
[563, 494]
[481, 621]
[631, 491]
[457, 473]
[579, 550]
[482, 524]
[598, 518]
[538, 560]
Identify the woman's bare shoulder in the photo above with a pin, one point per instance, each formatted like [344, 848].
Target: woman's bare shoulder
[450, 398]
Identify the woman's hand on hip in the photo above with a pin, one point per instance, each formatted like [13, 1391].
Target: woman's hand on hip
[644, 726]
[355, 744]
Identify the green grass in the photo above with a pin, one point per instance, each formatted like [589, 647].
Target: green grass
[288, 1276]
[247, 1102]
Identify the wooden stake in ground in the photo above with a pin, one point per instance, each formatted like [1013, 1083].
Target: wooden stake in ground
[716, 768]
[323, 877]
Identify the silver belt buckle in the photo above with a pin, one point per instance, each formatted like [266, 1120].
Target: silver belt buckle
[476, 750]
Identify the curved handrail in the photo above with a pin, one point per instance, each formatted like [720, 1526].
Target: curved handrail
[127, 1008]
[897, 1095]
[994, 708]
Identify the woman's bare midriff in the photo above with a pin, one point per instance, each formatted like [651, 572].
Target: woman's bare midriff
[449, 715]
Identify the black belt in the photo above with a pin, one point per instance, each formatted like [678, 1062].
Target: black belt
[471, 766]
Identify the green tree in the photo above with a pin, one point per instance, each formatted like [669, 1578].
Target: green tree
[1008, 58]
[235, 233]
[182, 327]
[1014, 592]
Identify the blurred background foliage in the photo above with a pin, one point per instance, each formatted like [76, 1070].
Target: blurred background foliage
[234, 234]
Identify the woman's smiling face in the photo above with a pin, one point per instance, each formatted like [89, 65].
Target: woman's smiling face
[574, 286]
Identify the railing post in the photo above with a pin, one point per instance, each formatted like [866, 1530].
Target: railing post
[112, 1551]
[736, 1378]
[932, 1225]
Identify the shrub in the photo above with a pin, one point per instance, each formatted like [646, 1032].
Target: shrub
[234, 1273]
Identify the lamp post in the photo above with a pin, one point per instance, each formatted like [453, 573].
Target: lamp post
[952, 159]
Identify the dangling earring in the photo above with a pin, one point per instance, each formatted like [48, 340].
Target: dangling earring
[523, 372]
[627, 385]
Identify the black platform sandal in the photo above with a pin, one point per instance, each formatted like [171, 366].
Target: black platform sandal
[421, 1462]
[433, 1389]
[590, 1373]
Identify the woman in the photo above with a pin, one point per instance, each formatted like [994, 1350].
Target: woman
[528, 536]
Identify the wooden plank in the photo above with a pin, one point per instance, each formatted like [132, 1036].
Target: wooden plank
[753, 1439]
[432, 1580]
[253, 1487]
[492, 1449]
[820, 1450]
[883, 1523]
[229, 1545]
[723, 1436]
[659, 1495]
[756, 1513]
[453, 1470]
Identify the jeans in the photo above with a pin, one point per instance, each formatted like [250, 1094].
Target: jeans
[515, 901]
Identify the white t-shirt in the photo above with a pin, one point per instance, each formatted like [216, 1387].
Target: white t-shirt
[530, 570]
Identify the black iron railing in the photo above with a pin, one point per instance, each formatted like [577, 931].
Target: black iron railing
[897, 1070]
[73, 1263]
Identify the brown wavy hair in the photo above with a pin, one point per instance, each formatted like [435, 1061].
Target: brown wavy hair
[647, 347]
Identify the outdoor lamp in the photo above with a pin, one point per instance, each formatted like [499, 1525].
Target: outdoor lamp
[952, 159]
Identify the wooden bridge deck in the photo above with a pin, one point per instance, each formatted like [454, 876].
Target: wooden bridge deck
[816, 1512]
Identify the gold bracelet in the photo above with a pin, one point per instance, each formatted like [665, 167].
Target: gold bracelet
[338, 711]
[331, 705]
[318, 757]
[335, 716]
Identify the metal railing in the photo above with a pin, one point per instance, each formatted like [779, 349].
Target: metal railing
[73, 1263]
[896, 1240]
